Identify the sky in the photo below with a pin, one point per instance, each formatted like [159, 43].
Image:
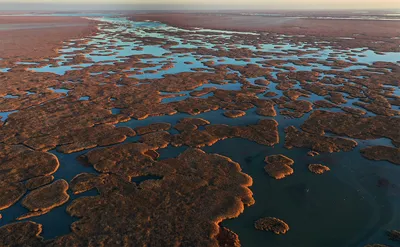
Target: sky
[224, 4]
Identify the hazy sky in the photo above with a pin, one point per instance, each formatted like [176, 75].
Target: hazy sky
[246, 4]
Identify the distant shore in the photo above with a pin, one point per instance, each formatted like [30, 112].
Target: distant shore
[276, 24]
[377, 35]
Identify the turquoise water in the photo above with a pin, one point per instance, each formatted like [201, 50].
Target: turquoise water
[4, 115]
[150, 29]
[59, 90]
[9, 96]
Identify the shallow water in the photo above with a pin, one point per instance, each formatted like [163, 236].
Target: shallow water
[4, 115]
[149, 29]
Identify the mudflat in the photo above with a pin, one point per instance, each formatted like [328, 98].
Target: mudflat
[360, 31]
[277, 24]
[19, 36]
